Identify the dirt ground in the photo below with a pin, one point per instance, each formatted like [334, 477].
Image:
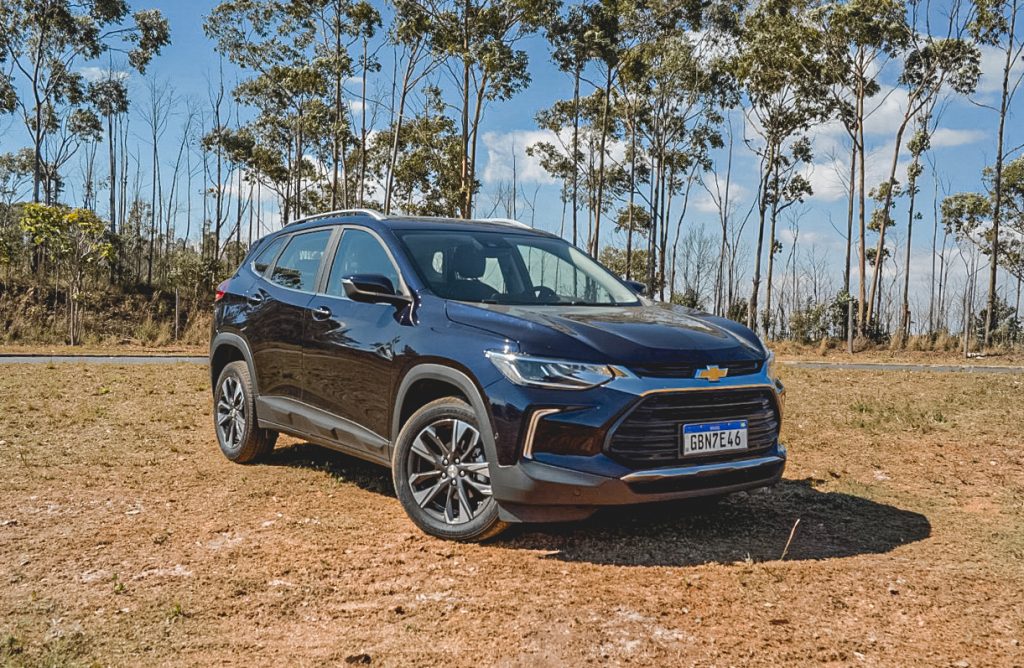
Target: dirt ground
[127, 539]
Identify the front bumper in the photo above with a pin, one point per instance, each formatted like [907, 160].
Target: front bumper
[534, 491]
[568, 478]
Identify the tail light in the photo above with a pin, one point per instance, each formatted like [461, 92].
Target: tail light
[221, 290]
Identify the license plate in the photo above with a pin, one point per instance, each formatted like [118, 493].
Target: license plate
[714, 437]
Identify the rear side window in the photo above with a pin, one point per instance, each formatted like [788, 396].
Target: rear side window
[298, 264]
[360, 253]
[266, 256]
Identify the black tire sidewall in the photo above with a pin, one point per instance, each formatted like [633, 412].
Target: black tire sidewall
[484, 525]
[252, 444]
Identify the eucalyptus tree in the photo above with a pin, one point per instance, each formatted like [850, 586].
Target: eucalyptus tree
[109, 96]
[601, 182]
[410, 33]
[995, 24]
[918, 144]
[929, 67]
[479, 42]
[858, 38]
[46, 41]
[298, 54]
[780, 67]
[786, 186]
[417, 155]
[571, 50]
[969, 217]
[681, 90]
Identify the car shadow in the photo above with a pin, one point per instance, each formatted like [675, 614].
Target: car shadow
[750, 526]
[340, 466]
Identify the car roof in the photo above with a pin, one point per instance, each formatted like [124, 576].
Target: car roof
[374, 219]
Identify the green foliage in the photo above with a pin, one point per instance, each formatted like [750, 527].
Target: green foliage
[1007, 326]
[615, 259]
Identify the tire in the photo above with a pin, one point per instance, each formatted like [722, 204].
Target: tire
[234, 417]
[441, 473]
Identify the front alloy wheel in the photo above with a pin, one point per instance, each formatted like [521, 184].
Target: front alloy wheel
[441, 473]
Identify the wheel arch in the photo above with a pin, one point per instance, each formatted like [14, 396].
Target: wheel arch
[429, 381]
[228, 347]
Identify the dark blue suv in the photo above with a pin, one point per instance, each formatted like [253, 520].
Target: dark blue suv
[501, 373]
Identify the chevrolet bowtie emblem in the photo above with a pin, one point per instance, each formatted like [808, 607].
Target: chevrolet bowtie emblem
[712, 374]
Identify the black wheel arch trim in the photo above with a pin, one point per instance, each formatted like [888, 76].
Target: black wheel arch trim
[465, 384]
[235, 341]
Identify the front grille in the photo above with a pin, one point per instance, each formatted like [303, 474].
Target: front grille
[648, 436]
[689, 369]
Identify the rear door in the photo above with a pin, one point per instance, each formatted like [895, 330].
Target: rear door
[277, 306]
[350, 346]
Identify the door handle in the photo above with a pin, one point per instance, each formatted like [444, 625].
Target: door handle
[321, 313]
[256, 298]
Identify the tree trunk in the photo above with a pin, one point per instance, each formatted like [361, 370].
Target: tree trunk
[998, 194]
[575, 153]
[595, 238]
[905, 309]
[876, 276]
[397, 130]
[362, 131]
[862, 225]
[762, 210]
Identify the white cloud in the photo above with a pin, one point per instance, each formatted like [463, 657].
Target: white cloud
[828, 176]
[502, 146]
[992, 62]
[703, 202]
[948, 137]
[91, 73]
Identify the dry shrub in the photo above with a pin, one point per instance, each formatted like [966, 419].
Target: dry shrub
[197, 329]
[919, 343]
[945, 343]
[824, 346]
[154, 333]
[861, 343]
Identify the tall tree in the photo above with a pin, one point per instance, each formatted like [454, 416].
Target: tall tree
[859, 36]
[930, 66]
[479, 42]
[779, 65]
[995, 24]
[45, 42]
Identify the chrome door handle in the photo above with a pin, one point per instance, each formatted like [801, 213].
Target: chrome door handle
[321, 313]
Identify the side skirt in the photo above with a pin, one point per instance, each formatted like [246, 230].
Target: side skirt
[304, 421]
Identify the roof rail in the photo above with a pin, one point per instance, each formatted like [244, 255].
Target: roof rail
[506, 221]
[376, 215]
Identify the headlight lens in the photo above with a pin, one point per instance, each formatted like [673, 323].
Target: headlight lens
[550, 373]
[769, 365]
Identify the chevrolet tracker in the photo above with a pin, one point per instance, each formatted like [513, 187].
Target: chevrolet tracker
[501, 373]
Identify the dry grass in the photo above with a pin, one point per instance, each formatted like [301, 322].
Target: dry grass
[126, 539]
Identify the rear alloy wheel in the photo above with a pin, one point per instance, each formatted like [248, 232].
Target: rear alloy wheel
[234, 414]
[441, 473]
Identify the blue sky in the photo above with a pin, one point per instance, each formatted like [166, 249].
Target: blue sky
[964, 144]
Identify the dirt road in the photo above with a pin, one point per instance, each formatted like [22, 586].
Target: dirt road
[126, 539]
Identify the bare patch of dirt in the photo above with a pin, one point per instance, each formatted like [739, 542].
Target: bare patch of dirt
[127, 539]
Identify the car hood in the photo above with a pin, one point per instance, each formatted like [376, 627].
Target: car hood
[642, 334]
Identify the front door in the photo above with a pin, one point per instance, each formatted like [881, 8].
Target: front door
[350, 346]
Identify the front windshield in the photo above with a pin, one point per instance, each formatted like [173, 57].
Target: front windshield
[510, 268]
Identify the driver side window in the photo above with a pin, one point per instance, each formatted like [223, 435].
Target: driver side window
[360, 253]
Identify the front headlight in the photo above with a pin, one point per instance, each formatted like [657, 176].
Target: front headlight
[550, 373]
[769, 366]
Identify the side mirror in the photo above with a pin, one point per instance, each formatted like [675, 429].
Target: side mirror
[636, 286]
[372, 289]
